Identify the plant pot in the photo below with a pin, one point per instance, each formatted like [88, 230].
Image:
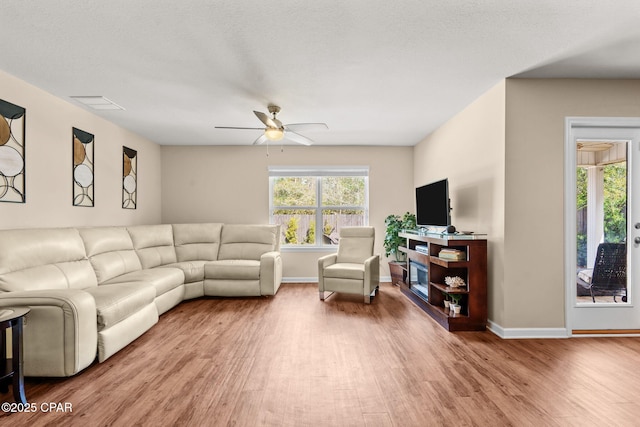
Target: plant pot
[398, 272]
[456, 308]
[447, 304]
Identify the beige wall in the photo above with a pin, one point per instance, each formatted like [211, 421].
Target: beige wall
[230, 184]
[535, 126]
[469, 151]
[49, 123]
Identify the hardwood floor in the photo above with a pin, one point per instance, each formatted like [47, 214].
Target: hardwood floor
[292, 360]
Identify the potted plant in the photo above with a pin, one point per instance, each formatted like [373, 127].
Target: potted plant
[392, 241]
[446, 299]
[454, 305]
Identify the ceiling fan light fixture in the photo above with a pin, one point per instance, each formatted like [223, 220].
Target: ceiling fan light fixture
[273, 134]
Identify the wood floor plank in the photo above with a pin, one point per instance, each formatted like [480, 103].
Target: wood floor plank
[293, 360]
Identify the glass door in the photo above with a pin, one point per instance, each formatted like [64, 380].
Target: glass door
[603, 238]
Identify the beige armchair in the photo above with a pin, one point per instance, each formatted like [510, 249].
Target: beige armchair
[354, 269]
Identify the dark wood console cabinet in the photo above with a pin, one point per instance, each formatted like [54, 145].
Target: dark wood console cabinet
[430, 296]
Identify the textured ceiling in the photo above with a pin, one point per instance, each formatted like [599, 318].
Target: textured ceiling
[378, 72]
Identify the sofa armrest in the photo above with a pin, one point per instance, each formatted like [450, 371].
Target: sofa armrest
[270, 273]
[371, 273]
[60, 332]
[324, 262]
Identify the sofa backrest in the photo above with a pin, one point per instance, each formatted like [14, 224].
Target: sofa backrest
[110, 251]
[197, 241]
[38, 259]
[248, 241]
[153, 244]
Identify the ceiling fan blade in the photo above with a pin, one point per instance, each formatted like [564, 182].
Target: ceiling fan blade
[308, 127]
[234, 127]
[268, 121]
[261, 140]
[296, 137]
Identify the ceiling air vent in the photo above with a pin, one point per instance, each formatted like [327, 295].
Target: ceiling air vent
[97, 102]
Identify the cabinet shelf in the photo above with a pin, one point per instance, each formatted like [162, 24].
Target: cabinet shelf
[449, 289]
[447, 263]
[430, 294]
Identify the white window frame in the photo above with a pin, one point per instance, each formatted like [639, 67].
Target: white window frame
[317, 172]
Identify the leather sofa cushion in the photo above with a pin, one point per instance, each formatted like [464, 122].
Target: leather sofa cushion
[193, 270]
[197, 241]
[161, 279]
[345, 270]
[111, 252]
[248, 242]
[63, 275]
[232, 269]
[119, 301]
[37, 259]
[153, 244]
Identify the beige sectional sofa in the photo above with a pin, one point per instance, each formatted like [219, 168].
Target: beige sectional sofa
[92, 291]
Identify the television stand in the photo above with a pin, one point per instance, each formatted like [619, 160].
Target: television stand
[472, 269]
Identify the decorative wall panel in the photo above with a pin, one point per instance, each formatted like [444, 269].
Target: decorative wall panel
[83, 172]
[129, 178]
[12, 153]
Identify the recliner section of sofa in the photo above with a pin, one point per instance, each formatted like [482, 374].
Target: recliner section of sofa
[94, 290]
[248, 263]
[48, 271]
[196, 245]
[126, 294]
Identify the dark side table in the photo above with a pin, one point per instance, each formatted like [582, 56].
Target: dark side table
[12, 368]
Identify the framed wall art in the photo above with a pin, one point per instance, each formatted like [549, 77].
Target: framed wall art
[129, 178]
[83, 172]
[12, 153]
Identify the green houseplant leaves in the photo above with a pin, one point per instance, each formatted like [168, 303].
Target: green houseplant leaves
[395, 224]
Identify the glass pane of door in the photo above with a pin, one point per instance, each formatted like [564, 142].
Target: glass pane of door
[601, 219]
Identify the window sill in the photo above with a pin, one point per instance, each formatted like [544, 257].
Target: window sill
[309, 248]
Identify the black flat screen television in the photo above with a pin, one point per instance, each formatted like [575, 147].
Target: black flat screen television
[432, 204]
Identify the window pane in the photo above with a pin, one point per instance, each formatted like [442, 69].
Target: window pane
[298, 226]
[294, 191]
[615, 203]
[343, 191]
[334, 219]
[581, 220]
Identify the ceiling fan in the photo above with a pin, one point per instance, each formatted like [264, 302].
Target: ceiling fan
[275, 130]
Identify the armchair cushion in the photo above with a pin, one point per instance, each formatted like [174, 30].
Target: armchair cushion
[356, 244]
[345, 270]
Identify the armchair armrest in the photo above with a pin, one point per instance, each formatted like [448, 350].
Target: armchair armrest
[270, 273]
[60, 332]
[371, 273]
[324, 262]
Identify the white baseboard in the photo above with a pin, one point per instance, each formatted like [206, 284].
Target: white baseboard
[299, 280]
[526, 333]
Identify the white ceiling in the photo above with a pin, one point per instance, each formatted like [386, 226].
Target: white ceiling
[378, 72]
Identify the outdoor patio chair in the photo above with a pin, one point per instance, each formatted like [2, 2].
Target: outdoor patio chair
[609, 273]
